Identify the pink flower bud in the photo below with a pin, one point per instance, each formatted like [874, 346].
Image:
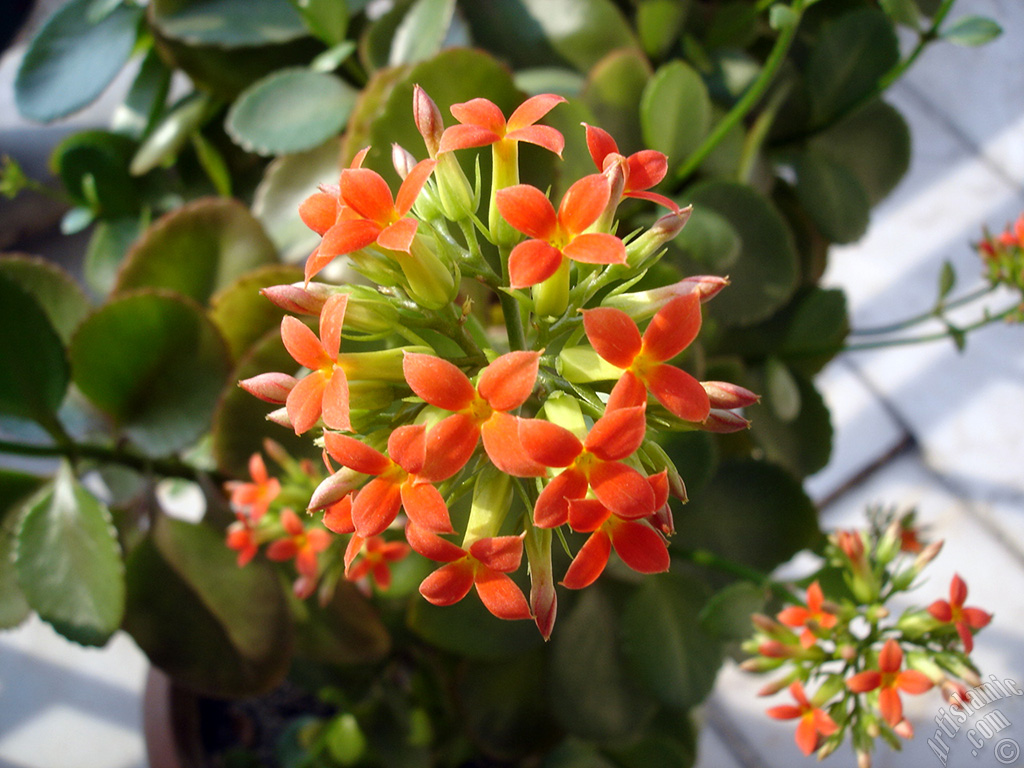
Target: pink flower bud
[299, 299]
[723, 422]
[728, 396]
[403, 160]
[428, 119]
[269, 387]
[334, 488]
[904, 729]
[280, 417]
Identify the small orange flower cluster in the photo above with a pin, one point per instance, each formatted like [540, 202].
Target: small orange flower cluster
[433, 403]
[860, 662]
[1003, 256]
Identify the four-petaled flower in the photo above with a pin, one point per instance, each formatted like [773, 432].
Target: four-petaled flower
[373, 557]
[242, 538]
[299, 544]
[643, 169]
[889, 680]
[481, 411]
[812, 615]
[254, 498]
[482, 123]
[964, 618]
[616, 338]
[814, 721]
[555, 237]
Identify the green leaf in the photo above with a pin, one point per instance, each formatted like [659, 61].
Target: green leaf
[659, 24]
[782, 17]
[169, 135]
[576, 753]
[291, 110]
[903, 12]
[56, 292]
[93, 166]
[347, 630]
[666, 647]
[971, 31]
[799, 439]
[781, 392]
[534, 33]
[156, 364]
[675, 111]
[662, 751]
[110, 241]
[727, 614]
[213, 163]
[243, 314]
[331, 59]
[214, 627]
[709, 240]
[833, 197]
[72, 59]
[751, 512]
[420, 34]
[327, 19]
[467, 629]
[592, 692]
[845, 64]
[947, 279]
[613, 92]
[144, 102]
[68, 561]
[228, 23]
[14, 487]
[33, 369]
[197, 250]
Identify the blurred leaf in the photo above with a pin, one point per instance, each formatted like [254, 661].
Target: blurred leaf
[971, 31]
[213, 164]
[592, 692]
[332, 58]
[782, 17]
[56, 292]
[661, 751]
[242, 313]
[709, 241]
[165, 141]
[845, 64]
[33, 368]
[72, 59]
[800, 441]
[291, 110]
[327, 19]
[947, 279]
[727, 614]
[214, 627]
[665, 646]
[565, 82]
[613, 92]
[694, 454]
[347, 630]
[576, 753]
[197, 250]
[781, 392]
[902, 12]
[467, 629]
[752, 512]
[287, 181]
[534, 33]
[675, 111]
[733, 25]
[93, 166]
[659, 23]
[14, 487]
[156, 364]
[421, 32]
[68, 561]
[832, 196]
[110, 241]
[765, 274]
[144, 102]
[228, 23]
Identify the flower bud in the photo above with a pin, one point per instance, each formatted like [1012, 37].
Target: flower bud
[904, 729]
[767, 624]
[725, 395]
[615, 171]
[924, 664]
[402, 159]
[428, 119]
[890, 542]
[926, 555]
[334, 488]
[280, 417]
[299, 299]
[642, 248]
[833, 685]
[641, 305]
[457, 197]
[543, 599]
[430, 282]
[723, 422]
[779, 684]
[760, 664]
[863, 759]
[270, 387]
[914, 624]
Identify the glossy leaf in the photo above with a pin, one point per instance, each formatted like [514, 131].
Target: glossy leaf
[228, 23]
[675, 111]
[659, 23]
[665, 646]
[613, 90]
[327, 19]
[68, 561]
[56, 292]
[14, 488]
[421, 32]
[72, 59]
[833, 197]
[33, 369]
[212, 626]
[154, 363]
[197, 250]
[243, 314]
[292, 110]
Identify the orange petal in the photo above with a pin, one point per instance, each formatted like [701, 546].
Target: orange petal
[407, 447]
[549, 444]
[784, 712]
[450, 444]
[338, 516]
[345, 237]
[508, 381]
[319, 212]
[499, 553]
[354, 454]
[582, 203]
[281, 550]
[465, 137]
[890, 658]
[332, 318]
[600, 144]
[587, 515]
[412, 184]
[622, 489]
[448, 584]
[814, 597]
[825, 725]
[528, 209]
[912, 681]
[533, 109]
[941, 610]
[432, 546]
[500, 435]
[863, 682]
[890, 706]
[976, 618]
[640, 547]
[532, 262]
[552, 508]
[481, 112]
[305, 402]
[398, 236]
[806, 735]
[654, 197]
[336, 401]
[793, 616]
[679, 392]
[302, 344]
[541, 135]
[965, 636]
[613, 334]
[596, 248]
[673, 328]
[501, 596]
[375, 507]
[646, 168]
[957, 590]
[617, 434]
[438, 381]
[628, 392]
[425, 507]
[366, 193]
[589, 562]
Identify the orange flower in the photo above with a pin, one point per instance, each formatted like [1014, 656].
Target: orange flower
[814, 721]
[482, 123]
[643, 169]
[377, 554]
[242, 538]
[299, 544]
[812, 615]
[965, 619]
[254, 498]
[889, 681]
[616, 338]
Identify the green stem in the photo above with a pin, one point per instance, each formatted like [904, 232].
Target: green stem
[753, 94]
[937, 336]
[709, 559]
[510, 307]
[924, 316]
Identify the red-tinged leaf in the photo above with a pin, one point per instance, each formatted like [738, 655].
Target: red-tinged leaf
[465, 137]
[628, 392]
[533, 109]
[542, 135]
[366, 193]
[589, 562]
[784, 712]
[438, 381]
[552, 508]
[640, 547]
[806, 736]
[499, 553]
[600, 144]
[425, 507]
[376, 506]
[549, 444]
[863, 682]
[890, 658]
[587, 515]
[890, 706]
[302, 344]
[407, 447]
[508, 381]
[646, 168]
[398, 236]
[582, 203]
[596, 248]
[481, 112]
[673, 328]
[305, 402]
[344, 237]
[450, 444]
[500, 435]
[679, 392]
[336, 401]
[613, 335]
[532, 262]
[412, 184]
[319, 212]
[432, 546]
[448, 584]
[617, 434]
[622, 489]
[501, 596]
[912, 681]
[338, 516]
[356, 455]
[528, 209]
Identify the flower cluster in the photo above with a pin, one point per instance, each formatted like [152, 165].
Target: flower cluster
[840, 641]
[495, 382]
[1003, 257]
